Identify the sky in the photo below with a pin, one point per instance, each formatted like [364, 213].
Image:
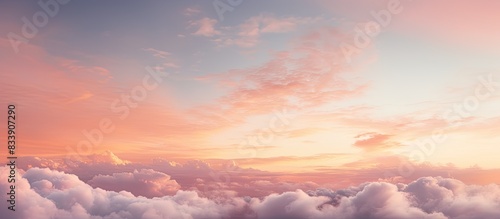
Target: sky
[267, 99]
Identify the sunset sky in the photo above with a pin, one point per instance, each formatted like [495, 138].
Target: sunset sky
[304, 94]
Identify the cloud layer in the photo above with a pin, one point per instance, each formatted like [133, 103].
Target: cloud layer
[44, 193]
[145, 182]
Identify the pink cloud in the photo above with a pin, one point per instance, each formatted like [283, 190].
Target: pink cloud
[307, 76]
[374, 141]
[206, 27]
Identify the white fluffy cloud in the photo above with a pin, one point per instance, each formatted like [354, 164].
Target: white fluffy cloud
[44, 193]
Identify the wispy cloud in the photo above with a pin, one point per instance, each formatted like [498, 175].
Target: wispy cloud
[205, 27]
